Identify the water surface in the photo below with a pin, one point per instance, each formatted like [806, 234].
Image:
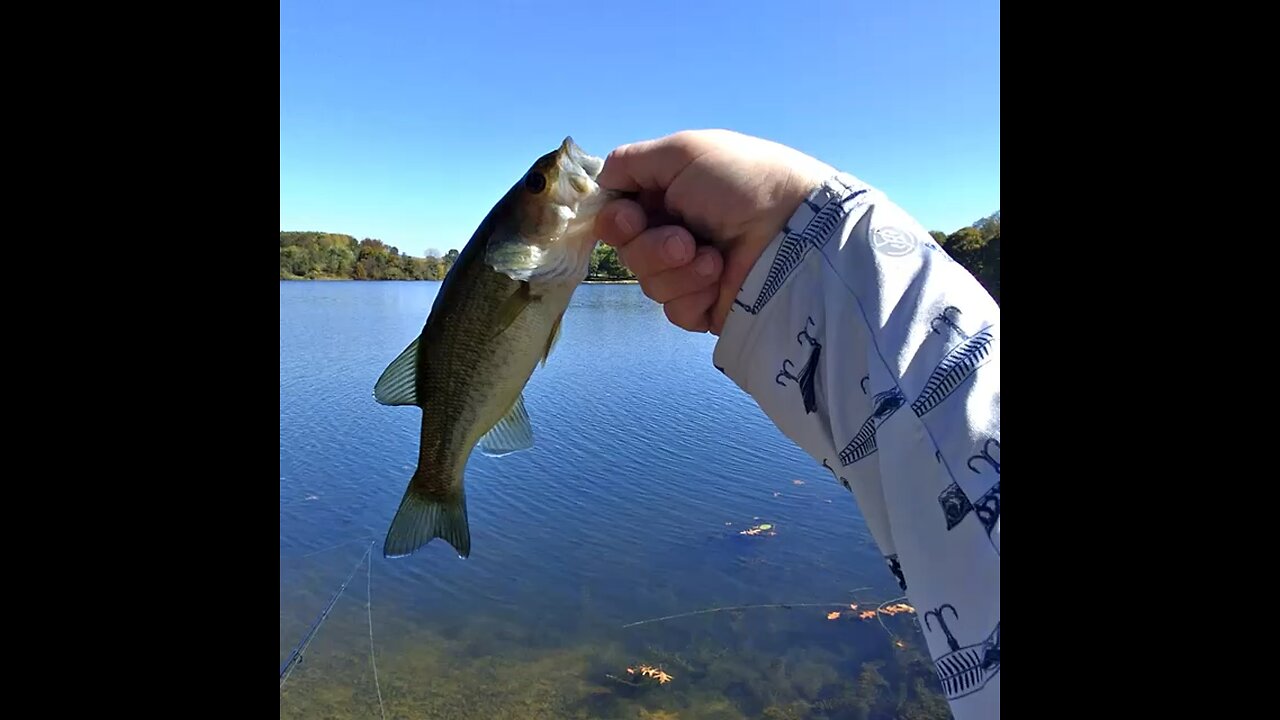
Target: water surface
[648, 463]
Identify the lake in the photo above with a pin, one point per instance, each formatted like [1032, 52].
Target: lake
[648, 465]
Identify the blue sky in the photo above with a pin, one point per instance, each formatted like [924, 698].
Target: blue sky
[405, 121]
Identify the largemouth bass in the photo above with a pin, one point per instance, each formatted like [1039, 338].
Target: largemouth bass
[496, 315]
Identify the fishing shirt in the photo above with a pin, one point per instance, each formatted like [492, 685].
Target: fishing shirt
[878, 354]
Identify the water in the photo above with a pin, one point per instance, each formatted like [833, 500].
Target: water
[648, 462]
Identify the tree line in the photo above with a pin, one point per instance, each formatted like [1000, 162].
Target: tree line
[334, 256]
[977, 248]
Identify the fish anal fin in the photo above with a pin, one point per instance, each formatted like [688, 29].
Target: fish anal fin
[513, 433]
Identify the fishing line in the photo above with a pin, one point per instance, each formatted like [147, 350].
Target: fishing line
[878, 612]
[296, 655]
[740, 607]
[341, 544]
[880, 615]
[327, 549]
[734, 607]
[369, 608]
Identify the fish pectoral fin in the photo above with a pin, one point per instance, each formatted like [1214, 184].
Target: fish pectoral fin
[512, 433]
[423, 517]
[551, 340]
[512, 307]
[399, 382]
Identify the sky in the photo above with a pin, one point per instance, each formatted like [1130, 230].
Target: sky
[406, 121]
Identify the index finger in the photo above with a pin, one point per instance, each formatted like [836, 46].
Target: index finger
[647, 165]
[620, 221]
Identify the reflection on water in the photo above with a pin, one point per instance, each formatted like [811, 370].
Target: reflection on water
[648, 467]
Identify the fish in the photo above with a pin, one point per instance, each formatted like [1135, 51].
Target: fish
[497, 314]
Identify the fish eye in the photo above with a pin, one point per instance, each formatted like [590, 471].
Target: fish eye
[534, 182]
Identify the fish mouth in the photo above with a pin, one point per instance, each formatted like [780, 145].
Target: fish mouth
[576, 172]
[588, 164]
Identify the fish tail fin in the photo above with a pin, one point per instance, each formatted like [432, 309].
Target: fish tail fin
[424, 516]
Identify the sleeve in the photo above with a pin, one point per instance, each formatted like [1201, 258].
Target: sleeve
[877, 354]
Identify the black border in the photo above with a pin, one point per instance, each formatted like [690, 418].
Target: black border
[199, 144]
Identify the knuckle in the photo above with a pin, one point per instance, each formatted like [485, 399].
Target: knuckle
[627, 255]
[685, 144]
[683, 315]
[617, 154]
[674, 314]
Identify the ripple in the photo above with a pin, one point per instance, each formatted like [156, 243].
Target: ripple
[643, 452]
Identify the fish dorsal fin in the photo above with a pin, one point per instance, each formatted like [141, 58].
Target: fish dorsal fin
[551, 340]
[399, 382]
[512, 433]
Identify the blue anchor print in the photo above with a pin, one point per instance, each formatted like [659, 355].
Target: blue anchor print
[987, 508]
[938, 612]
[863, 443]
[947, 318]
[808, 374]
[786, 373]
[964, 670]
[955, 503]
[959, 364]
[985, 456]
[795, 245]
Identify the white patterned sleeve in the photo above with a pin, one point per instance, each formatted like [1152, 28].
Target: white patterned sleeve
[878, 354]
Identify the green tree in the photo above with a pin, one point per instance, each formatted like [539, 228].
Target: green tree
[294, 260]
[308, 254]
[966, 239]
[989, 227]
[979, 254]
[605, 264]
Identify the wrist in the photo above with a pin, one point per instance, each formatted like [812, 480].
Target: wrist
[749, 286]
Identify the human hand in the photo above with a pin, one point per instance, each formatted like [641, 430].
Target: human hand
[730, 190]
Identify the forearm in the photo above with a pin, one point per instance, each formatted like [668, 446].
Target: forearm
[878, 355]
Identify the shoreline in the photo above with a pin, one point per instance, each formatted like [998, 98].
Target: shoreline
[340, 279]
